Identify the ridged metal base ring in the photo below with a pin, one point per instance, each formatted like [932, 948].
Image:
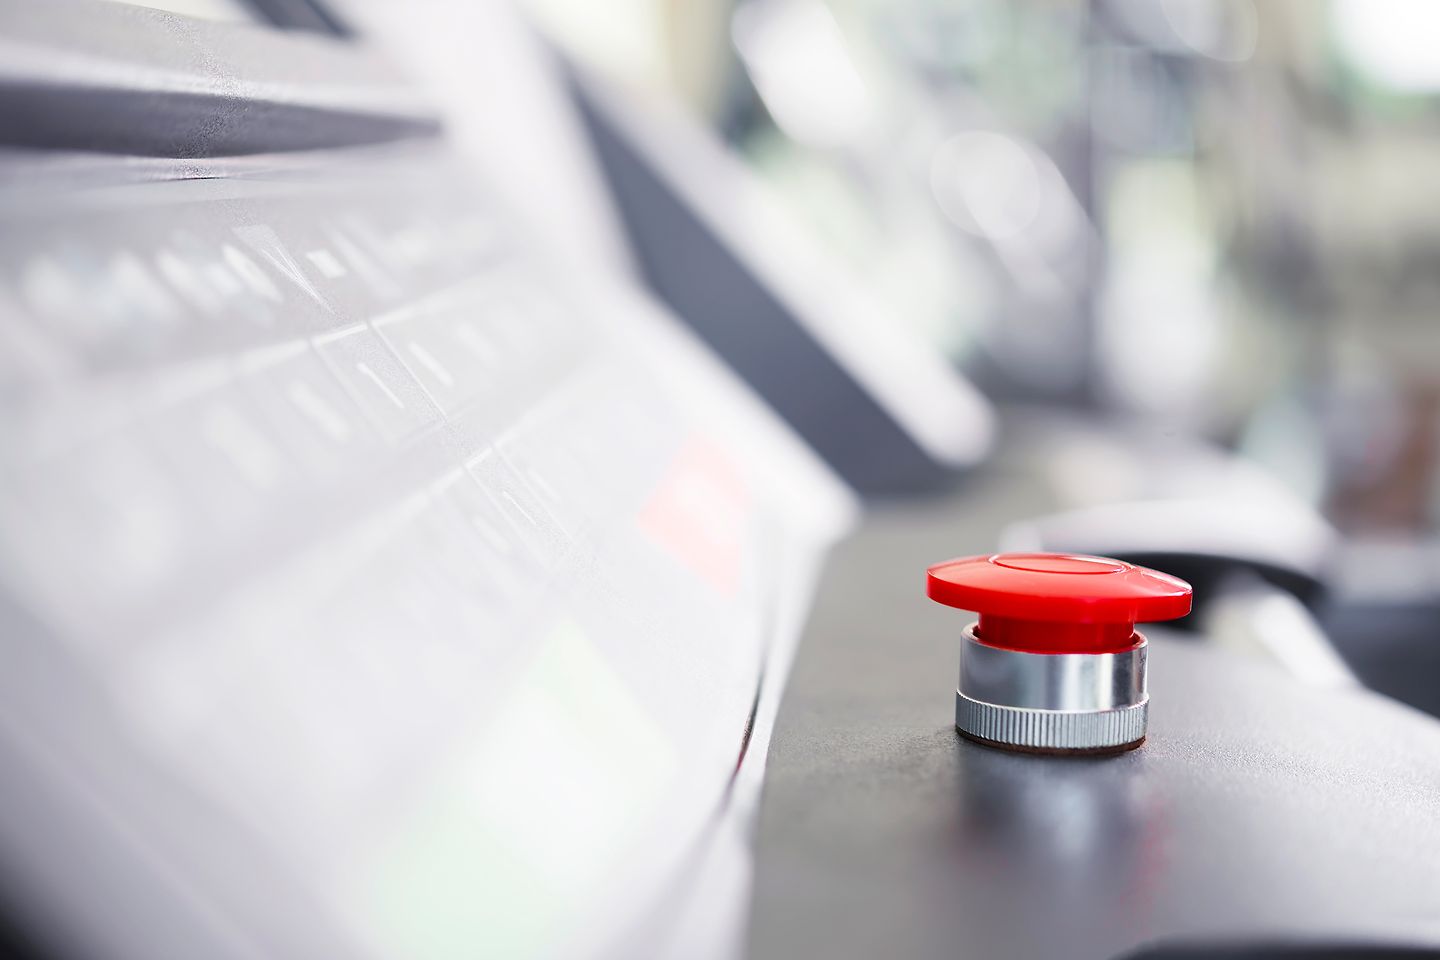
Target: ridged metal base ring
[1052, 703]
[1051, 730]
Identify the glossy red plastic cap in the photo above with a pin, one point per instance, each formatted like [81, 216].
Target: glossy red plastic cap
[1057, 602]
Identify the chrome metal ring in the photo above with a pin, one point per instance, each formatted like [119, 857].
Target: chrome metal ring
[1052, 701]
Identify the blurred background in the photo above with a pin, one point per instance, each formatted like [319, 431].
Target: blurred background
[1207, 218]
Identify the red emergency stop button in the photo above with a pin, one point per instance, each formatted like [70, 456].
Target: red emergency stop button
[1058, 603]
[1054, 663]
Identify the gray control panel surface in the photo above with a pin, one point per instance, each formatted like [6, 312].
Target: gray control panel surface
[1258, 811]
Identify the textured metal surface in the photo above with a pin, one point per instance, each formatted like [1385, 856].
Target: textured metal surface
[1050, 729]
[1050, 701]
[1258, 810]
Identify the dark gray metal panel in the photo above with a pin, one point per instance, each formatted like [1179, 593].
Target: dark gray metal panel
[701, 278]
[1259, 810]
[86, 75]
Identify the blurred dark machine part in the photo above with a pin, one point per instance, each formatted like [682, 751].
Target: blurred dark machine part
[885, 409]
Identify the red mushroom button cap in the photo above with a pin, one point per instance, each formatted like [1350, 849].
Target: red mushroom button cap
[1057, 603]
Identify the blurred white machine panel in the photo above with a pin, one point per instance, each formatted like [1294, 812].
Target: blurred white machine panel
[373, 582]
[505, 110]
